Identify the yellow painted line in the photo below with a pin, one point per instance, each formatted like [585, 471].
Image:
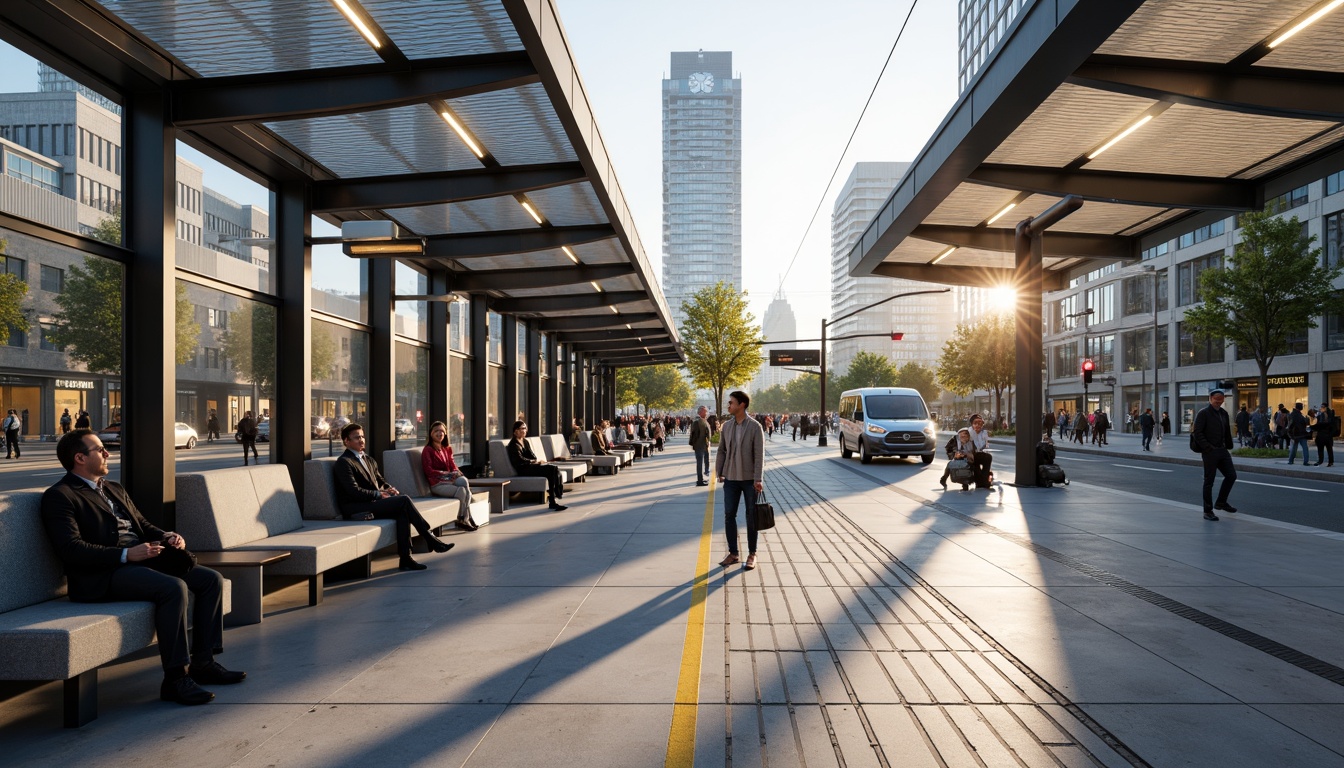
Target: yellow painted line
[681, 737]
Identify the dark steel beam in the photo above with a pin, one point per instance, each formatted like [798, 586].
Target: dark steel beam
[598, 347]
[406, 190]
[648, 359]
[502, 279]
[646, 335]
[344, 90]
[979, 277]
[1273, 92]
[1057, 244]
[1162, 190]
[559, 303]
[589, 322]
[478, 245]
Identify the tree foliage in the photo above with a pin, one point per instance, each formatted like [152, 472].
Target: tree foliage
[249, 345]
[803, 394]
[323, 352]
[627, 387]
[12, 292]
[920, 377]
[720, 339]
[109, 229]
[1271, 291]
[655, 387]
[773, 399]
[980, 355]
[868, 370]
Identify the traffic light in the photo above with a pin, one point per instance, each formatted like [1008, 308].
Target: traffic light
[1088, 367]
[897, 336]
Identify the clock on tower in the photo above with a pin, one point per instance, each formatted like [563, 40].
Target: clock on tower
[701, 82]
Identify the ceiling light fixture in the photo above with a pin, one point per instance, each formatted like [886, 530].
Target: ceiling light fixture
[1010, 207]
[942, 255]
[462, 134]
[615, 311]
[359, 23]
[1136, 126]
[1303, 24]
[527, 206]
[596, 287]
[570, 254]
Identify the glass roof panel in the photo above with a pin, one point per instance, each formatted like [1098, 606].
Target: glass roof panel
[410, 139]
[445, 27]
[493, 213]
[517, 126]
[243, 37]
[570, 204]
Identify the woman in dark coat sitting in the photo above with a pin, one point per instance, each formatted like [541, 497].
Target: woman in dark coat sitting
[526, 463]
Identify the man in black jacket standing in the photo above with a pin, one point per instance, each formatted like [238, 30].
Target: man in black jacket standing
[363, 494]
[1212, 434]
[111, 552]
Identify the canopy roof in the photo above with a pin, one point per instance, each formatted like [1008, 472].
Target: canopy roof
[296, 91]
[1227, 122]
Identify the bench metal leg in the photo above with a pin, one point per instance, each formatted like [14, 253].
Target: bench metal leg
[81, 699]
[315, 584]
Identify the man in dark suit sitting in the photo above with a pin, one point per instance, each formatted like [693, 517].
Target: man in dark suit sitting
[111, 552]
[363, 494]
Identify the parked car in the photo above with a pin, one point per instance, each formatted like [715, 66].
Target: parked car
[405, 428]
[264, 431]
[111, 435]
[320, 428]
[183, 435]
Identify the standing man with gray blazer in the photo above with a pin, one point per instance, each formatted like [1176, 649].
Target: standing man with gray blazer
[741, 465]
[700, 444]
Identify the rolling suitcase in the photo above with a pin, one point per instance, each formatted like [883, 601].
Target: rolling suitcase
[1049, 474]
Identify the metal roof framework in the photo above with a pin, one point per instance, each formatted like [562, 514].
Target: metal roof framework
[1223, 118]
[521, 205]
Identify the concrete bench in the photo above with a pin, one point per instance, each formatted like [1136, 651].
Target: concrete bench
[623, 440]
[44, 636]
[404, 470]
[557, 450]
[626, 456]
[319, 503]
[571, 471]
[499, 460]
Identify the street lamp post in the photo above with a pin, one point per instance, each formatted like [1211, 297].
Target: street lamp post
[821, 434]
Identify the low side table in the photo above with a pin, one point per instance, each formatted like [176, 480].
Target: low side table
[499, 492]
[243, 567]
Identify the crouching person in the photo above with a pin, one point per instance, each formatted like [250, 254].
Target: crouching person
[111, 552]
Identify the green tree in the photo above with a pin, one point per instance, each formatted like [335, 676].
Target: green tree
[323, 352]
[12, 291]
[109, 229]
[660, 388]
[981, 355]
[922, 378]
[803, 394]
[770, 400]
[627, 387]
[1273, 289]
[249, 345]
[720, 339]
[868, 370]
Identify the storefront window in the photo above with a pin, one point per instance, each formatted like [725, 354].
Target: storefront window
[1282, 389]
[340, 385]
[411, 419]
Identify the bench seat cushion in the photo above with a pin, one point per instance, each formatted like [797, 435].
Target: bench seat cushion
[58, 639]
[313, 552]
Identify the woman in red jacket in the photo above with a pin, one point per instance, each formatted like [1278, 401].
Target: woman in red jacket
[445, 479]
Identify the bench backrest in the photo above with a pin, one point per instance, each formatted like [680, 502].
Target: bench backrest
[499, 459]
[402, 468]
[586, 442]
[319, 489]
[30, 572]
[538, 447]
[223, 508]
[556, 447]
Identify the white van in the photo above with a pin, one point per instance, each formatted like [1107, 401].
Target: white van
[886, 421]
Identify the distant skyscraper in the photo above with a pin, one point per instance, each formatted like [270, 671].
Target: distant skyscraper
[981, 25]
[926, 321]
[702, 176]
[779, 323]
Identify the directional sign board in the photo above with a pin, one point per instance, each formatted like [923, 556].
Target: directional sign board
[795, 357]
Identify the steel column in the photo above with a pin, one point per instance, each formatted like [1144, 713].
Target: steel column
[148, 365]
[511, 373]
[438, 348]
[290, 428]
[534, 380]
[478, 411]
[378, 426]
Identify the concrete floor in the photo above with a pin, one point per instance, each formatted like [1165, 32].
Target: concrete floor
[890, 623]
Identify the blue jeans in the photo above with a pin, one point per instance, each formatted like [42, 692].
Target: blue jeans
[1292, 449]
[701, 464]
[1148, 439]
[733, 490]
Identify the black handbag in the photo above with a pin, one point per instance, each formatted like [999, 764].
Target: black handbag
[1194, 444]
[172, 561]
[765, 514]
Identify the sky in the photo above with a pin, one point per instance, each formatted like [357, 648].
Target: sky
[806, 70]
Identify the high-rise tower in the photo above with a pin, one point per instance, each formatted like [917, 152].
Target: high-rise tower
[702, 176]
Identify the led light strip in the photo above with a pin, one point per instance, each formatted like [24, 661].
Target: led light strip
[943, 255]
[462, 133]
[363, 28]
[1136, 126]
[1303, 24]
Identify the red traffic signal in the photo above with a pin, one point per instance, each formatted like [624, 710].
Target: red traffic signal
[1088, 367]
[897, 336]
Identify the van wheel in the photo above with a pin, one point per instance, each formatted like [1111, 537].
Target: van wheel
[928, 459]
[864, 456]
[845, 453]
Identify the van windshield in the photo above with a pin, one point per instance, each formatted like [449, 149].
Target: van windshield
[895, 407]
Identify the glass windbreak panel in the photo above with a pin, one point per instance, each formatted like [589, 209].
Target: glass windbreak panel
[340, 283]
[522, 400]
[459, 328]
[223, 223]
[411, 420]
[544, 413]
[412, 317]
[499, 412]
[61, 351]
[496, 346]
[340, 391]
[226, 369]
[521, 348]
[895, 407]
[62, 149]
[459, 401]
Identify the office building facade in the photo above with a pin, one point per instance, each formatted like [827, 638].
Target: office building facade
[702, 176]
[779, 323]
